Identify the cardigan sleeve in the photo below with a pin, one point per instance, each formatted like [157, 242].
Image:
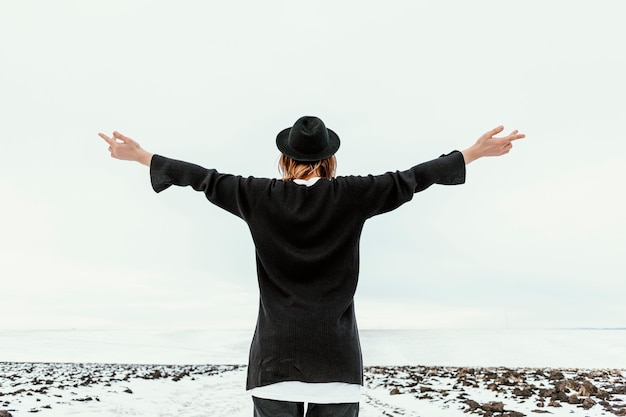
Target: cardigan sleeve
[382, 193]
[224, 190]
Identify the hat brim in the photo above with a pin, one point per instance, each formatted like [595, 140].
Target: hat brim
[282, 143]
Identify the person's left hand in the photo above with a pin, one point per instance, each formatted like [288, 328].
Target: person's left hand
[124, 148]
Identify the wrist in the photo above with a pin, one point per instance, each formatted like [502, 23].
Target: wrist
[145, 158]
[470, 154]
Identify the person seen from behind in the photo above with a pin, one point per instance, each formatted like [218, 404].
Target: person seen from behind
[305, 355]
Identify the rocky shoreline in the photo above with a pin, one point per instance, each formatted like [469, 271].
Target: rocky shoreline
[47, 385]
[27, 388]
[509, 392]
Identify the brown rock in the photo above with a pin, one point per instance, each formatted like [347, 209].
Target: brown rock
[555, 404]
[4, 413]
[588, 403]
[556, 375]
[473, 405]
[493, 406]
[465, 371]
[512, 414]
[587, 389]
[573, 399]
[560, 386]
[573, 385]
[83, 399]
[566, 385]
[620, 390]
[514, 376]
[561, 396]
[603, 395]
[394, 391]
[523, 392]
[180, 376]
[156, 374]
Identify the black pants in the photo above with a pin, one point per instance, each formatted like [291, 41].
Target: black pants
[273, 408]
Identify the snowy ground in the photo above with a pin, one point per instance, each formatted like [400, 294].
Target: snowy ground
[65, 389]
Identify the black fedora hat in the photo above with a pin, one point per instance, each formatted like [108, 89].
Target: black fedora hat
[308, 140]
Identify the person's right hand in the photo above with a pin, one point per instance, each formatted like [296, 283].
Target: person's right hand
[126, 149]
[490, 145]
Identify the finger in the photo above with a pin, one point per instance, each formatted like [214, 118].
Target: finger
[512, 136]
[118, 136]
[516, 136]
[106, 138]
[496, 130]
[493, 131]
[123, 138]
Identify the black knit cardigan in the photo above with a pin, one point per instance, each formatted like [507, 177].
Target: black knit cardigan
[307, 257]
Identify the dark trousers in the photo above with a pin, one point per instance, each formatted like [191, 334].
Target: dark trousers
[273, 408]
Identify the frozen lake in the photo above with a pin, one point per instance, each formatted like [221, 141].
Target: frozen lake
[578, 348]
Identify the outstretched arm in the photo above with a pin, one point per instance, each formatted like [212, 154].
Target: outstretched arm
[126, 149]
[488, 145]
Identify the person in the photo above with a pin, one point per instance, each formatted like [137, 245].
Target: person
[306, 226]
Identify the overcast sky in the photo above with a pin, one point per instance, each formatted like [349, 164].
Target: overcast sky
[536, 238]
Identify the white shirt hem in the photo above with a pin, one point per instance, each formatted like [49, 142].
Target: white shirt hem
[318, 393]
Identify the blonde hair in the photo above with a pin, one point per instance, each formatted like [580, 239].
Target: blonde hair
[291, 169]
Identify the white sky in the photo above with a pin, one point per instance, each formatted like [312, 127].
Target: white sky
[534, 239]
